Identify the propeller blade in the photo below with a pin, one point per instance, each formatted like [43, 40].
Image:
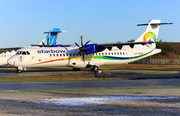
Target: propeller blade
[77, 44]
[81, 40]
[79, 53]
[87, 42]
[43, 44]
[83, 56]
[48, 41]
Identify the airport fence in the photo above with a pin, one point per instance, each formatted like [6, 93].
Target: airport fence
[158, 61]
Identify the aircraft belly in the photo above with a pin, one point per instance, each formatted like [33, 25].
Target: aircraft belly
[81, 64]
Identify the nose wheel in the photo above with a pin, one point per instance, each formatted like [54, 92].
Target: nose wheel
[18, 70]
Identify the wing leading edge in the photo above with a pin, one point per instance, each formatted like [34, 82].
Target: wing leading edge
[9, 49]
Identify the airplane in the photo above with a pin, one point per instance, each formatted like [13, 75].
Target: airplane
[51, 39]
[90, 55]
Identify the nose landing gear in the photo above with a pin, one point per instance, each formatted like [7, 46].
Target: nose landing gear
[19, 69]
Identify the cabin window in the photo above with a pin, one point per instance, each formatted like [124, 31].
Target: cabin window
[54, 55]
[103, 54]
[117, 53]
[73, 54]
[66, 54]
[70, 54]
[99, 54]
[50, 55]
[114, 53]
[57, 55]
[60, 54]
[123, 53]
[63, 54]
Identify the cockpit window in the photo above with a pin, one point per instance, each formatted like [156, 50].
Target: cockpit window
[19, 52]
[22, 53]
[27, 53]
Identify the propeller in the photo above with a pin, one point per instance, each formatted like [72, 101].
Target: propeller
[47, 43]
[82, 48]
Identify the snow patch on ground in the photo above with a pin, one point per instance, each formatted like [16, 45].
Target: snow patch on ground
[97, 100]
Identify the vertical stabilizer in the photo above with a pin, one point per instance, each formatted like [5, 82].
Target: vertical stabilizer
[52, 35]
[151, 33]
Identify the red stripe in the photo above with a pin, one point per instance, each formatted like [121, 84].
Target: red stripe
[51, 61]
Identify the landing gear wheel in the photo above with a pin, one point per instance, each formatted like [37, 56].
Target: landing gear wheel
[96, 71]
[18, 70]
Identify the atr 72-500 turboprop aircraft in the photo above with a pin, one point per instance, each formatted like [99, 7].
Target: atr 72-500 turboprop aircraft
[51, 39]
[90, 55]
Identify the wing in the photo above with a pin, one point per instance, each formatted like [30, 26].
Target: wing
[120, 45]
[9, 49]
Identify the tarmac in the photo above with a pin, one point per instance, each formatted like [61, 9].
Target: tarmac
[143, 78]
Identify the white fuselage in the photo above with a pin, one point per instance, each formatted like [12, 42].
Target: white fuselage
[67, 56]
[5, 56]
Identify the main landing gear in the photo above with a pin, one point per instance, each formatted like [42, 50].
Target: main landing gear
[96, 70]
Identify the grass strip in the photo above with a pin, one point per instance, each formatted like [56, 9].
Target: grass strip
[142, 67]
[61, 77]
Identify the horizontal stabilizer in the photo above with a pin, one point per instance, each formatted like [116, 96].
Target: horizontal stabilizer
[55, 32]
[51, 46]
[155, 24]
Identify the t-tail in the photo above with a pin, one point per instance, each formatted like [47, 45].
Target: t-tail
[151, 33]
[52, 35]
[51, 38]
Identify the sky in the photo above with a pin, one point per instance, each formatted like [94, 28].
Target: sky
[23, 22]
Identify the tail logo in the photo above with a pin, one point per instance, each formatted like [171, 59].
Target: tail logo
[149, 37]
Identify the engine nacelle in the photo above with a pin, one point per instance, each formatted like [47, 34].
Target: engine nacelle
[91, 48]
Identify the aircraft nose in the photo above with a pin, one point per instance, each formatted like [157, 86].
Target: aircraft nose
[11, 61]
